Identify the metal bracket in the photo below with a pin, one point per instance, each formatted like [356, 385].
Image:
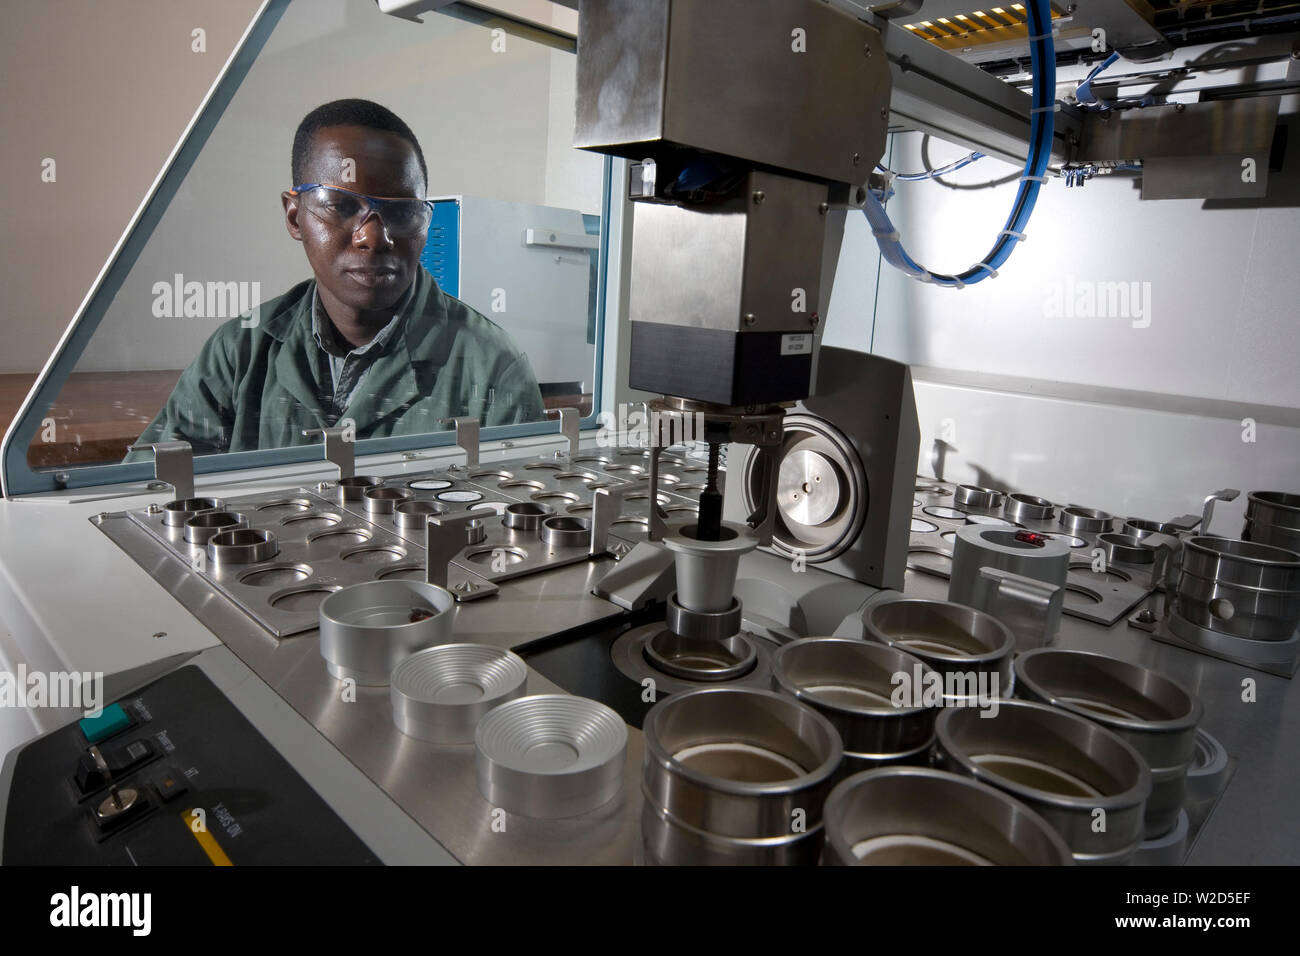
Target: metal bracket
[1167, 562]
[1227, 494]
[338, 450]
[605, 509]
[173, 463]
[647, 573]
[1029, 607]
[445, 536]
[570, 424]
[764, 517]
[467, 427]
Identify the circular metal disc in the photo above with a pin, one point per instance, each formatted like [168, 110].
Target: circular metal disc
[808, 487]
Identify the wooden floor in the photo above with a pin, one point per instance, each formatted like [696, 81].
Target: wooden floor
[96, 416]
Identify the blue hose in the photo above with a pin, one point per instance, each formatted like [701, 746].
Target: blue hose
[1084, 93]
[1042, 125]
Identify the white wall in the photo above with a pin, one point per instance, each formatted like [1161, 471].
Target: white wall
[1141, 420]
[489, 124]
[104, 90]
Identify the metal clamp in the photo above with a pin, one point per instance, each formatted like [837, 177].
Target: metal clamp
[1167, 563]
[1207, 511]
[467, 427]
[570, 423]
[445, 537]
[1029, 607]
[338, 449]
[606, 506]
[173, 463]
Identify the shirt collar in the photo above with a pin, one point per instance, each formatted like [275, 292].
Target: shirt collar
[327, 338]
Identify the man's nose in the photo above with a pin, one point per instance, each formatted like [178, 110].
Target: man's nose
[372, 233]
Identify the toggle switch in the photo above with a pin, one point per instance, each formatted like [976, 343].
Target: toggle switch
[119, 806]
[97, 768]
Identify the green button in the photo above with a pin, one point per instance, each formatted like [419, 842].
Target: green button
[112, 720]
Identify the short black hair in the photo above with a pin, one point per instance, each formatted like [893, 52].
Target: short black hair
[349, 113]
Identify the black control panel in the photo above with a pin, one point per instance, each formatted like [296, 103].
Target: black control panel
[172, 775]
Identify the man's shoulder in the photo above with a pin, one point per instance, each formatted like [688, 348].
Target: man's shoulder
[466, 324]
[266, 322]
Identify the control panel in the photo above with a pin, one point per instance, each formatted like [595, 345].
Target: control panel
[172, 775]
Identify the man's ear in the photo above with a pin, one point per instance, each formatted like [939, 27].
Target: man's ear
[291, 209]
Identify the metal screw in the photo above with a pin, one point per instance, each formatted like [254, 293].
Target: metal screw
[102, 516]
[465, 587]
[322, 485]
[759, 196]
[867, 49]
[814, 318]
[154, 509]
[823, 208]
[773, 435]
[507, 444]
[857, 159]
[1179, 107]
[410, 455]
[160, 634]
[750, 318]
[884, 112]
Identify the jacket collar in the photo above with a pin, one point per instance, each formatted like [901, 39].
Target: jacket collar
[418, 352]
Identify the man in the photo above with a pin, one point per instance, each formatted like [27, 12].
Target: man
[372, 339]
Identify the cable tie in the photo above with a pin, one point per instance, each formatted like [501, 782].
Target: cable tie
[1054, 108]
[993, 273]
[1042, 36]
[1037, 179]
[1019, 236]
[882, 234]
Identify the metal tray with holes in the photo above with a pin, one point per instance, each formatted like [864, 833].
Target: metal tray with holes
[326, 541]
[1102, 596]
[321, 548]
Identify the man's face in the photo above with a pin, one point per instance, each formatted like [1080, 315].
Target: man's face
[366, 270]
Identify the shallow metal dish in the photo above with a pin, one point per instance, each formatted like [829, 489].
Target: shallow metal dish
[441, 693]
[550, 755]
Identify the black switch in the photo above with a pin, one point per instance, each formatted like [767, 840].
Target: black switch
[98, 766]
[91, 775]
[169, 783]
[129, 756]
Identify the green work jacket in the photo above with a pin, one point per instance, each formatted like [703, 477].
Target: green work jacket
[259, 387]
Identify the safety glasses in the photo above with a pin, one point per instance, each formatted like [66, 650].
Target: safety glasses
[402, 218]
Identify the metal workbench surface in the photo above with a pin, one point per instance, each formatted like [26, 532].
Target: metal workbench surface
[1251, 823]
